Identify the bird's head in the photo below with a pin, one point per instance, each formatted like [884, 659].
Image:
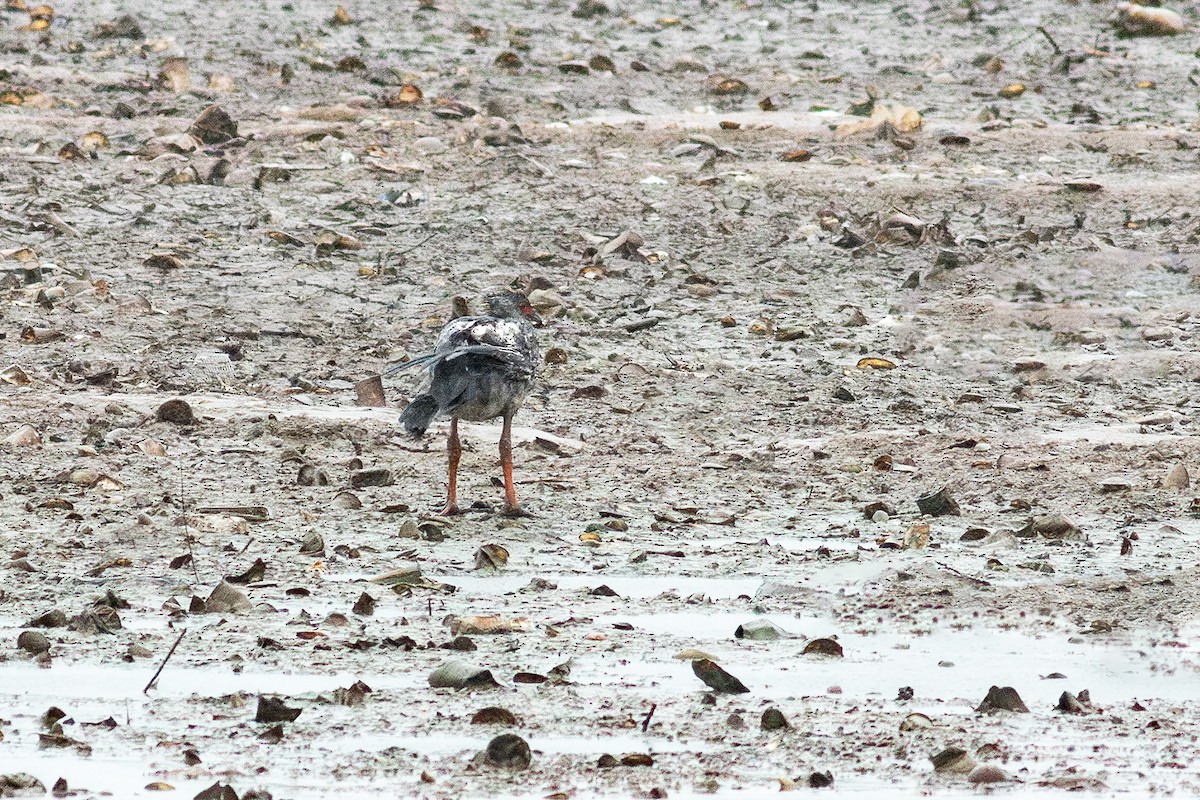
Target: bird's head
[511, 305]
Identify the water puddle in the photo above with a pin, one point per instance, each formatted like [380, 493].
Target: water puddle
[945, 664]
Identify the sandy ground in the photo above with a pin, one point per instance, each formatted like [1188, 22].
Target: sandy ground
[707, 440]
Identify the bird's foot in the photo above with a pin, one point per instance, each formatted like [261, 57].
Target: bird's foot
[451, 510]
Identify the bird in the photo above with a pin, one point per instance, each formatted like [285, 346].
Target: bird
[481, 367]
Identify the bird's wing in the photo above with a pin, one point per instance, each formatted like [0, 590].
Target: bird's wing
[412, 362]
[501, 339]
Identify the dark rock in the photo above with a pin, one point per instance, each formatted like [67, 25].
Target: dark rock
[823, 647]
[177, 412]
[774, 720]
[1002, 699]
[54, 618]
[371, 477]
[938, 503]
[820, 780]
[716, 678]
[493, 715]
[33, 643]
[364, 606]
[272, 709]
[508, 751]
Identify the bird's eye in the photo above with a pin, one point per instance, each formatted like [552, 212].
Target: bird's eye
[527, 309]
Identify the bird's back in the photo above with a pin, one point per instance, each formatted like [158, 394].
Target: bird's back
[484, 366]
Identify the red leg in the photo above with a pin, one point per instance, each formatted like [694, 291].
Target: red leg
[510, 491]
[454, 449]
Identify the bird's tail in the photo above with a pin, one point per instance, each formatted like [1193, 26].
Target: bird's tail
[419, 414]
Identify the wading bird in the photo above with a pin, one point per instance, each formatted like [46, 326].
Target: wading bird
[480, 368]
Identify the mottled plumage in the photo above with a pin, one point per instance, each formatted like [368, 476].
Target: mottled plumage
[481, 368]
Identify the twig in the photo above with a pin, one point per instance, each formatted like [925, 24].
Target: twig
[646, 719]
[415, 246]
[187, 535]
[1050, 39]
[158, 671]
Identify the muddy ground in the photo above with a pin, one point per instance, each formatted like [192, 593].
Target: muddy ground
[706, 443]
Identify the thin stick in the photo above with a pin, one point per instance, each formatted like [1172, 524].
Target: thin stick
[410, 248]
[158, 671]
[646, 719]
[187, 535]
[1050, 39]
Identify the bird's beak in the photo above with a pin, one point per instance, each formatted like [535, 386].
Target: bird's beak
[531, 314]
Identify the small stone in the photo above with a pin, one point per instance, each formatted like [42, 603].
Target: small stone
[463, 644]
[176, 412]
[272, 709]
[1076, 704]
[774, 720]
[226, 599]
[33, 642]
[716, 678]
[312, 544]
[493, 715]
[820, 780]
[508, 751]
[346, 500]
[1002, 698]
[1115, 483]
[915, 722]
[760, 630]
[54, 618]
[953, 760]
[938, 503]
[364, 606]
[823, 647]
[371, 477]
[1177, 478]
[214, 126]
[457, 675]
[987, 773]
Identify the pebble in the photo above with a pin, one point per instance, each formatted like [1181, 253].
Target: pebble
[773, 720]
[1177, 478]
[915, 722]
[716, 678]
[1003, 698]
[458, 675]
[508, 751]
[953, 760]
[987, 773]
[33, 642]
